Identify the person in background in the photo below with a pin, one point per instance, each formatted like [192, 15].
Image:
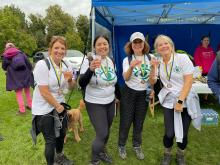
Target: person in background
[180, 103]
[19, 75]
[204, 56]
[98, 78]
[214, 78]
[49, 114]
[137, 75]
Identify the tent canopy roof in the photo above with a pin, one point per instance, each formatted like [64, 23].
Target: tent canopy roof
[153, 12]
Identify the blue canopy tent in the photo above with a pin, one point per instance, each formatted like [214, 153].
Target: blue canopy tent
[184, 21]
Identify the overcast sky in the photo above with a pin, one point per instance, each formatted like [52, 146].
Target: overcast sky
[73, 7]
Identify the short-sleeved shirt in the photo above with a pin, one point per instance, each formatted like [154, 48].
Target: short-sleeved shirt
[139, 76]
[181, 66]
[101, 87]
[44, 76]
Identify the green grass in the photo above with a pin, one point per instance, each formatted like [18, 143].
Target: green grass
[17, 147]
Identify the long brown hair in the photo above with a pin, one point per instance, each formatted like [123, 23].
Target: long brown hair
[129, 51]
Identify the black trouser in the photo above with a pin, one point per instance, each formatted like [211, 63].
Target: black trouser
[169, 128]
[133, 110]
[101, 117]
[45, 124]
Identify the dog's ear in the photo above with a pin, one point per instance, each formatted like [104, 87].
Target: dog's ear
[69, 115]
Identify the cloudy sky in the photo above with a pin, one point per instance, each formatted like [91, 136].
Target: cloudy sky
[73, 7]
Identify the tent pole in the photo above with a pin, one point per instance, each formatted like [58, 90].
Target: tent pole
[93, 27]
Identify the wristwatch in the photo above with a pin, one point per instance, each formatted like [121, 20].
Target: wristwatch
[180, 101]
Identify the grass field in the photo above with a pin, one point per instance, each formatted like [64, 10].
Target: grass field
[17, 147]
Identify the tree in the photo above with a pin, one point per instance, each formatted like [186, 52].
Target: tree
[37, 28]
[13, 29]
[82, 24]
[58, 22]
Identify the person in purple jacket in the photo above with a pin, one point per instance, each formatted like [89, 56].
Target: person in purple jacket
[19, 75]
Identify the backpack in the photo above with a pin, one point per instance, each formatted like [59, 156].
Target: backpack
[18, 62]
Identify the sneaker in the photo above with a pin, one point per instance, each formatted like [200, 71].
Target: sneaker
[94, 162]
[28, 107]
[122, 152]
[166, 159]
[105, 157]
[61, 159]
[139, 153]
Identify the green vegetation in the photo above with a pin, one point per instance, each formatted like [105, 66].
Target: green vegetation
[17, 147]
[32, 33]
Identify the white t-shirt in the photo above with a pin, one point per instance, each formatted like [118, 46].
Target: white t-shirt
[101, 87]
[181, 66]
[140, 75]
[43, 76]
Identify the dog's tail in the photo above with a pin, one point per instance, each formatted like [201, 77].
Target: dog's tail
[81, 105]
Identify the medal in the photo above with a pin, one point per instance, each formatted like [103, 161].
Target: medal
[169, 85]
[142, 81]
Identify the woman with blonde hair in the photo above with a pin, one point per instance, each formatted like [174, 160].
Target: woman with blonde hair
[179, 101]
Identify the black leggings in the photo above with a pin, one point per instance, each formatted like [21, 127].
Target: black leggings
[169, 128]
[101, 117]
[45, 124]
[133, 110]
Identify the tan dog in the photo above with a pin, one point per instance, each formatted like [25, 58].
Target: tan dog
[75, 119]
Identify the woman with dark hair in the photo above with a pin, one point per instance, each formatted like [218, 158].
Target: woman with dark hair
[138, 76]
[49, 114]
[98, 78]
[204, 55]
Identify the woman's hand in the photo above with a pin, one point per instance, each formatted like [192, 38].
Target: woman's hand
[59, 108]
[96, 63]
[154, 62]
[178, 107]
[134, 63]
[68, 75]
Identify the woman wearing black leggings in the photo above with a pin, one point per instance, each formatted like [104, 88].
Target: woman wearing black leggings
[98, 79]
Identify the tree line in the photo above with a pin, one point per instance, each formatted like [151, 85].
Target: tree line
[33, 33]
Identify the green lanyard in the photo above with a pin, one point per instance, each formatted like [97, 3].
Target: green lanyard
[58, 76]
[169, 74]
[105, 69]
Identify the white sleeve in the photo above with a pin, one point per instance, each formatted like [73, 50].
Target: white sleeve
[187, 65]
[41, 73]
[125, 64]
[84, 66]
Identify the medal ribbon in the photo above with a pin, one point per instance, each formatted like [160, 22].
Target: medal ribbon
[169, 74]
[105, 70]
[58, 76]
